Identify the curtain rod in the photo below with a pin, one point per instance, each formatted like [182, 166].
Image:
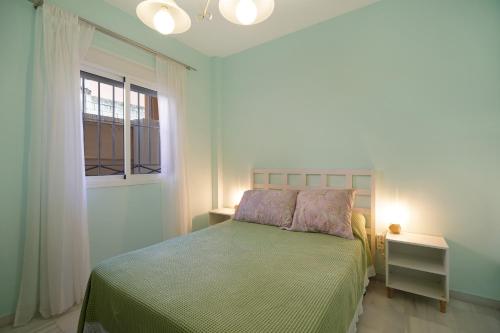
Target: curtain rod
[38, 3]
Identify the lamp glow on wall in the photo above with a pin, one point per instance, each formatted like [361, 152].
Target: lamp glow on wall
[395, 214]
[164, 16]
[246, 12]
[236, 196]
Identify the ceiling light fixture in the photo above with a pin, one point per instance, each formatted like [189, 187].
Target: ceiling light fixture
[246, 12]
[164, 16]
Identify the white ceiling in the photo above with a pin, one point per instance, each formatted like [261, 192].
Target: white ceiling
[221, 38]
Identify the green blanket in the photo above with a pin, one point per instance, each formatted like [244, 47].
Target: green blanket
[232, 277]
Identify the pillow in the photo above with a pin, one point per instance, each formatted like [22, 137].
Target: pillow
[270, 207]
[324, 211]
[358, 223]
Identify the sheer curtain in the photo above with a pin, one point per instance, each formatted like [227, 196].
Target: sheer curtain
[171, 80]
[56, 251]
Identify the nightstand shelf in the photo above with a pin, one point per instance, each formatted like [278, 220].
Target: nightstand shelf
[417, 264]
[220, 215]
[420, 263]
[406, 281]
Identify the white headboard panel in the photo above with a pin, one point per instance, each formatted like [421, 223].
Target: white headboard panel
[300, 179]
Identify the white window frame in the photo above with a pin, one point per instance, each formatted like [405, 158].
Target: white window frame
[127, 179]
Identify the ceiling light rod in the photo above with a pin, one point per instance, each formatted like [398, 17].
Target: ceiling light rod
[206, 14]
[38, 3]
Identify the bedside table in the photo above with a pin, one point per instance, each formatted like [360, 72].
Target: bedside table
[417, 264]
[220, 215]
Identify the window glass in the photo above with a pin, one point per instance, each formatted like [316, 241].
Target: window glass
[145, 133]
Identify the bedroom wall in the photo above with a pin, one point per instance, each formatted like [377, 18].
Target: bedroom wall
[14, 55]
[408, 88]
[120, 218]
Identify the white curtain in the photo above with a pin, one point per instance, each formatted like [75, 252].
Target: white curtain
[56, 251]
[171, 80]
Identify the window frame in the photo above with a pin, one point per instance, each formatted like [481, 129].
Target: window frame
[113, 81]
[127, 179]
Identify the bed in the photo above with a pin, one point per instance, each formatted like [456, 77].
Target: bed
[232, 277]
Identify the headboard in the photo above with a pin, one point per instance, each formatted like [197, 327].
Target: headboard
[300, 179]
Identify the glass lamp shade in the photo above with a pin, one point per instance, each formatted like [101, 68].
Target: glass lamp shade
[246, 12]
[163, 10]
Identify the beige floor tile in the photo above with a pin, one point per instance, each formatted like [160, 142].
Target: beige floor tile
[418, 325]
[407, 313]
[69, 322]
[35, 326]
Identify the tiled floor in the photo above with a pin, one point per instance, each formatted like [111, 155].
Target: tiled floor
[66, 323]
[409, 313]
[403, 313]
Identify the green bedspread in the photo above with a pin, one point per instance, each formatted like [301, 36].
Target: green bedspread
[232, 277]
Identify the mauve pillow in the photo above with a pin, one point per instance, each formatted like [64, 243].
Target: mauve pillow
[267, 207]
[324, 211]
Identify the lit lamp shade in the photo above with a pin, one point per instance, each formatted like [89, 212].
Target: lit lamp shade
[246, 12]
[164, 16]
[395, 215]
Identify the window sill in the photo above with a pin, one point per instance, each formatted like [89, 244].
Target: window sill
[118, 181]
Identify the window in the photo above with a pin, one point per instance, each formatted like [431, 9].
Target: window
[119, 138]
[103, 120]
[145, 131]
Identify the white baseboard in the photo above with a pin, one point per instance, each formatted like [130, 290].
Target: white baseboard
[6, 320]
[478, 300]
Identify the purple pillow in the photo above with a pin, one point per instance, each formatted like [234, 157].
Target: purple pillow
[324, 211]
[270, 207]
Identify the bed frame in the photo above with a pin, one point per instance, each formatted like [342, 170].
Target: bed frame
[300, 179]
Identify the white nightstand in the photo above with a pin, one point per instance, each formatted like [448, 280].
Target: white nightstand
[417, 264]
[220, 215]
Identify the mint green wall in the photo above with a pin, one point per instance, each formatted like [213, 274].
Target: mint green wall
[16, 39]
[120, 218]
[409, 88]
[136, 224]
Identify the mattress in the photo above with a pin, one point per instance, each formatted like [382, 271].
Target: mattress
[232, 277]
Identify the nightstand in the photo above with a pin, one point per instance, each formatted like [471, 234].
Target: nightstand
[418, 264]
[220, 215]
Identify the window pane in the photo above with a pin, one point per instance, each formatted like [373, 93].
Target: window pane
[91, 97]
[154, 115]
[103, 126]
[142, 102]
[145, 134]
[134, 111]
[118, 135]
[90, 127]
[155, 148]
[119, 94]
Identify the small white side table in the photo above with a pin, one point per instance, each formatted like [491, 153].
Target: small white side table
[418, 264]
[220, 215]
